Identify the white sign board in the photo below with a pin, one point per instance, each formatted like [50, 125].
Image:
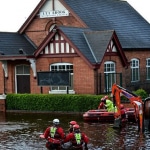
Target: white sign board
[54, 13]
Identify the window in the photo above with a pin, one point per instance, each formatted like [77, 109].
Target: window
[52, 27]
[110, 76]
[23, 69]
[62, 67]
[148, 68]
[135, 70]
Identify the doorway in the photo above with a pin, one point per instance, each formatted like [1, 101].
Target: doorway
[22, 79]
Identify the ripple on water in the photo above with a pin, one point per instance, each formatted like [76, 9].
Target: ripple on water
[21, 132]
[12, 126]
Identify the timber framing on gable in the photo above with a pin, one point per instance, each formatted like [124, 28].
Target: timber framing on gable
[53, 45]
[56, 44]
[114, 49]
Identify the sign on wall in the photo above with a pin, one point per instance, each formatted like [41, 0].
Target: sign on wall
[48, 78]
[54, 13]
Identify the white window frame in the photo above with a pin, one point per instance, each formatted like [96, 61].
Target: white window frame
[135, 70]
[148, 68]
[62, 89]
[110, 68]
[52, 27]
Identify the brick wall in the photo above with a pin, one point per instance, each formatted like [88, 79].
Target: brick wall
[39, 28]
[143, 83]
[83, 75]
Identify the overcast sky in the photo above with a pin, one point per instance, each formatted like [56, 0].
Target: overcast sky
[13, 13]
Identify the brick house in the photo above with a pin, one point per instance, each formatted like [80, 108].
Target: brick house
[100, 42]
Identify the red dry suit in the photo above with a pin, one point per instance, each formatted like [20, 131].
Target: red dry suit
[124, 116]
[54, 135]
[101, 105]
[77, 140]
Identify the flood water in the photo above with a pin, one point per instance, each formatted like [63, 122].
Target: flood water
[20, 131]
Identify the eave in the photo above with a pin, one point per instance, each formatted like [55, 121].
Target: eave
[121, 53]
[15, 57]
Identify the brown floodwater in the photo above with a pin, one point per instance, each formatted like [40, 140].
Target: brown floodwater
[20, 131]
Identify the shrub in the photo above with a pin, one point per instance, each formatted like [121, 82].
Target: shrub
[50, 102]
[142, 93]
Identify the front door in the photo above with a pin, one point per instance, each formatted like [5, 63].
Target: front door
[23, 79]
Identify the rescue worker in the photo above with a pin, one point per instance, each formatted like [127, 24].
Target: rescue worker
[68, 145]
[102, 105]
[124, 116]
[54, 135]
[109, 104]
[77, 138]
[71, 123]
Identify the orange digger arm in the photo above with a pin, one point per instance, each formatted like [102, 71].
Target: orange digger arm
[135, 100]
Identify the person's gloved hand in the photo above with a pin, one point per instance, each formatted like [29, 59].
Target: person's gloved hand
[105, 106]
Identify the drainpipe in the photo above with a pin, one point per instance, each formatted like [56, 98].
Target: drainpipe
[5, 72]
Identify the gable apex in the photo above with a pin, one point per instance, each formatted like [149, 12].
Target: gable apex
[98, 42]
[54, 43]
[46, 9]
[53, 9]
[103, 43]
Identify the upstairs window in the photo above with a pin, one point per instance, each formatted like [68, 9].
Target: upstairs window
[135, 70]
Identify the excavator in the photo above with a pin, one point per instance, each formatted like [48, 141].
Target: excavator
[142, 108]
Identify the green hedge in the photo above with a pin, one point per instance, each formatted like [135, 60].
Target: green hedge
[48, 102]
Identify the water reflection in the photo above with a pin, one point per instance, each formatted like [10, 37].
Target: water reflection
[2, 116]
[103, 136]
[21, 132]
